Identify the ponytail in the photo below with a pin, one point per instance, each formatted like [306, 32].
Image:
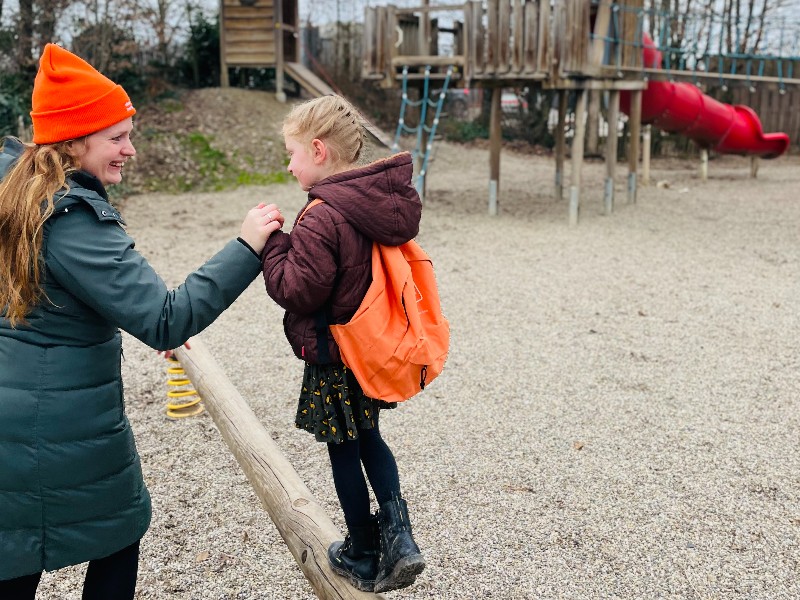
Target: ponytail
[26, 202]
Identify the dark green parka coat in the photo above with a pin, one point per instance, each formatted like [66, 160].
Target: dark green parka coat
[71, 487]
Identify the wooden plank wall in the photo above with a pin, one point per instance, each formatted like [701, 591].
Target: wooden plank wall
[572, 33]
[341, 51]
[475, 34]
[573, 37]
[630, 35]
[371, 43]
[541, 62]
[248, 33]
[509, 40]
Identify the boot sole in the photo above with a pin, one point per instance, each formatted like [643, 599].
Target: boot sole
[403, 575]
[360, 584]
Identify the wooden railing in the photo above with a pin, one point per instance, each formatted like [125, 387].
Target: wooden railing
[507, 40]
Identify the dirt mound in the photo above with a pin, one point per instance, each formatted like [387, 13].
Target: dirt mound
[208, 139]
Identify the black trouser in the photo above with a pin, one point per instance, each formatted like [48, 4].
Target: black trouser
[106, 578]
[351, 487]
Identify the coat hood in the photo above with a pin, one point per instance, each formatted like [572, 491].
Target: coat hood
[83, 188]
[12, 149]
[377, 199]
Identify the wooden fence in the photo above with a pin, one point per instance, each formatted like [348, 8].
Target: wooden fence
[509, 41]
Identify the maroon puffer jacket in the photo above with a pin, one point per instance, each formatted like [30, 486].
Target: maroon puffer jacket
[326, 259]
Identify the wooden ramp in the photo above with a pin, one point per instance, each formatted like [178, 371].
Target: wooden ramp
[307, 80]
[316, 87]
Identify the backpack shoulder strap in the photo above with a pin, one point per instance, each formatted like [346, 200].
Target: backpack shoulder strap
[308, 207]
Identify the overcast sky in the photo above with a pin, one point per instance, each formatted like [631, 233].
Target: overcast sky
[324, 11]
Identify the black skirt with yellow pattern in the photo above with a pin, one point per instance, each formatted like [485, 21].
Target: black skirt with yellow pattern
[333, 406]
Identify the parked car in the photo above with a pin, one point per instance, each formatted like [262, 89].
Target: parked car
[466, 103]
[462, 103]
[513, 102]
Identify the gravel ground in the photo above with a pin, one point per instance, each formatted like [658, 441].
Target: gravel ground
[618, 417]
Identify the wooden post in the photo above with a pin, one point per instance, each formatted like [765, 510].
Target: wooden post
[646, 134]
[601, 23]
[635, 120]
[577, 157]
[704, 164]
[280, 95]
[423, 151]
[422, 141]
[493, 34]
[561, 145]
[593, 122]
[495, 138]
[302, 523]
[224, 81]
[611, 150]
[423, 31]
[754, 166]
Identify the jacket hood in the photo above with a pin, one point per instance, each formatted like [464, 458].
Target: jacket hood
[12, 149]
[83, 188]
[377, 199]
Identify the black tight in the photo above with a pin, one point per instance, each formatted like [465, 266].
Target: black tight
[110, 577]
[348, 478]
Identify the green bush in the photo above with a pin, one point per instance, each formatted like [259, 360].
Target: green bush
[463, 131]
[200, 66]
[15, 89]
[15, 102]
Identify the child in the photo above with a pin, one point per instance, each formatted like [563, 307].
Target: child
[320, 273]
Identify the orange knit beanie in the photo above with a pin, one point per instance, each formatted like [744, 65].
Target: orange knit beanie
[72, 99]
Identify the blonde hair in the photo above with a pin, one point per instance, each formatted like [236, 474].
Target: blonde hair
[331, 119]
[26, 202]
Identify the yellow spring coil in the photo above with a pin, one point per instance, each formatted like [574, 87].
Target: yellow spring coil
[184, 399]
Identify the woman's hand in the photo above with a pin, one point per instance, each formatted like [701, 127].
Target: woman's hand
[169, 353]
[259, 224]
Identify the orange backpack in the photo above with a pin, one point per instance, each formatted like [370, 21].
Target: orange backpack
[397, 341]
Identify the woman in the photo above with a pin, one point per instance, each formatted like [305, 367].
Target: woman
[71, 487]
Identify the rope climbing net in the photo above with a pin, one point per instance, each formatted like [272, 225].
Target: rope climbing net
[430, 99]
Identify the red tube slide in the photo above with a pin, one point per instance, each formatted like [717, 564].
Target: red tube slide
[682, 108]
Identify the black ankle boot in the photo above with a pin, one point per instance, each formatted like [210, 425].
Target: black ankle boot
[357, 556]
[401, 560]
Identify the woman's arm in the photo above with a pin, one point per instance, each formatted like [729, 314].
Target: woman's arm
[97, 263]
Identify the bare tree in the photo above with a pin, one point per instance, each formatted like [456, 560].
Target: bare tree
[25, 35]
[47, 14]
[166, 19]
[706, 28]
[35, 26]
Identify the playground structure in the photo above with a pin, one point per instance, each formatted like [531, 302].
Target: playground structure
[572, 47]
[580, 47]
[259, 34]
[264, 34]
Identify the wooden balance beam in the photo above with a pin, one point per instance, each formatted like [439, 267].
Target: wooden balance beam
[302, 523]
